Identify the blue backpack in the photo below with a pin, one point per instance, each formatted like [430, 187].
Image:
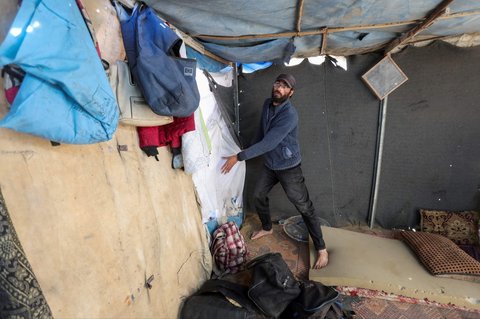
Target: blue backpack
[167, 81]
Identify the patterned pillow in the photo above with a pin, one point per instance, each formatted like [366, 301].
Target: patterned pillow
[442, 257]
[460, 227]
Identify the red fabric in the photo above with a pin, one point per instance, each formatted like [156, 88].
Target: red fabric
[11, 93]
[148, 136]
[166, 134]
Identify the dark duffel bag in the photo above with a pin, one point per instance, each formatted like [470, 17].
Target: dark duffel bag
[274, 285]
[220, 299]
[315, 301]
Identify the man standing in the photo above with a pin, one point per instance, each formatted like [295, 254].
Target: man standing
[277, 140]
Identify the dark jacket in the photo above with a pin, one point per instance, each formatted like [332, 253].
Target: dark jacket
[277, 137]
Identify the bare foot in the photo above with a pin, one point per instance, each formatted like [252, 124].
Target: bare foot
[260, 233]
[322, 259]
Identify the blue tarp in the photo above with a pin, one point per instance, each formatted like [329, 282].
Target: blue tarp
[65, 96]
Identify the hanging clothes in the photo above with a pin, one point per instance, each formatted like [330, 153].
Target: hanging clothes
[170, 134]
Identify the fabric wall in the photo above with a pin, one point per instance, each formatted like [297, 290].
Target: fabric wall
[432, 136]
[337, 135]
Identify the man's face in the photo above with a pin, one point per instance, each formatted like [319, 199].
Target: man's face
[281, 92]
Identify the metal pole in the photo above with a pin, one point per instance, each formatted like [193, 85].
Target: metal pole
[236, 106]
[236, 102]
[382, 117]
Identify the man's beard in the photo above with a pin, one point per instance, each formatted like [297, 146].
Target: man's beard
[278, 98]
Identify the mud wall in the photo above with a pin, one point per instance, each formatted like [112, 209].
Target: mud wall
[97, 221]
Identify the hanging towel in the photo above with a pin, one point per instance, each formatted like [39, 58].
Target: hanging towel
[65, 95]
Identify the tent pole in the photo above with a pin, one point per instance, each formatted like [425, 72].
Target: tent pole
[323, 49]
[439, 11]
[382, 116]
[236, 104]
[298, 24]
[321, 30]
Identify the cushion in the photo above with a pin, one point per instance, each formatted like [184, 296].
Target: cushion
[460, 227]
[442, 257]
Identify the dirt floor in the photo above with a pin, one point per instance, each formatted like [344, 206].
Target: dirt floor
[365, 303]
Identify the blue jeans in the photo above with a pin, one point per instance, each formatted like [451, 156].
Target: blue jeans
[293, 184]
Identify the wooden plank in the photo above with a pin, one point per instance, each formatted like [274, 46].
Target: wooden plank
[190, 41]
[299, 15]
[199, 47]
[324, 42]
[333, 29]
[434, 15]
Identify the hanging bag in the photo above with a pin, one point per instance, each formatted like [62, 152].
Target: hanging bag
[167, 81]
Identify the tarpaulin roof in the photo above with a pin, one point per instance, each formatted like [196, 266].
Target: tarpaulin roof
[252, 31]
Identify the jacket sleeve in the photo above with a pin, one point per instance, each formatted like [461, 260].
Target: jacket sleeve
[283, 125]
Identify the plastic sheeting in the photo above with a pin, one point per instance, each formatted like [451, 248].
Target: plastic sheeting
[235, 18]
[220, 195]
[65, 96]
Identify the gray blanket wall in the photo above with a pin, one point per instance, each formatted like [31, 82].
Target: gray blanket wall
[432, 136]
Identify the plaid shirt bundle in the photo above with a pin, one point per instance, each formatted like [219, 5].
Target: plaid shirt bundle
[228, 248]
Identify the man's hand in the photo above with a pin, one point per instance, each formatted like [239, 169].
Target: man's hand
[230, 162]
